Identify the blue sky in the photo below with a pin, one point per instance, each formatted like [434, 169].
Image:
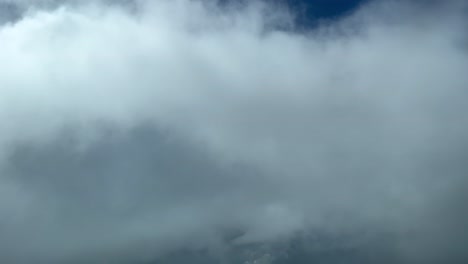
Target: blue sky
[310, 12]
[326, 8]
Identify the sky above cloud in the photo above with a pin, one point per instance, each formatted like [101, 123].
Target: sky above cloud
[133, 130]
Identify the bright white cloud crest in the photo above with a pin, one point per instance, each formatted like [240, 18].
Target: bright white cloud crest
[126, 134]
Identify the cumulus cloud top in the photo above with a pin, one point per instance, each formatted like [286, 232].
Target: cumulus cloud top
[132, 129]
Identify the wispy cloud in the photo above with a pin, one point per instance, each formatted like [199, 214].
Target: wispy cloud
[134, 129]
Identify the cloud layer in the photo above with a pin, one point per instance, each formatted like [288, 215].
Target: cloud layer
[134, 129]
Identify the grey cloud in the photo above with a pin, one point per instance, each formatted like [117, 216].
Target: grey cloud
[180, 127]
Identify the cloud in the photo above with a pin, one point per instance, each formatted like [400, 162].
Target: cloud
[131, 130]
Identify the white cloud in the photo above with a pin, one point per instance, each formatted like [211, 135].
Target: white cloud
[362, 118]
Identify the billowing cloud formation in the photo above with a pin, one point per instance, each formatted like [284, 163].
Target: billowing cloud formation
[141, 128]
